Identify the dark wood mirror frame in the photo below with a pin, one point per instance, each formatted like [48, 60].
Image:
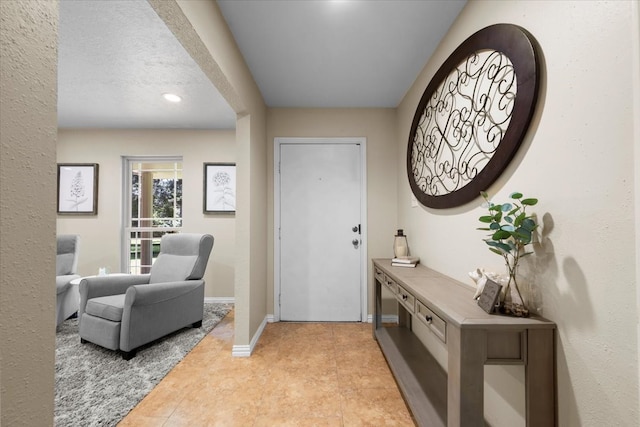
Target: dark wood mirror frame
[521, 49]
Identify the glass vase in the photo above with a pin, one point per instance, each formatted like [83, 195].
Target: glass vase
[513, 304]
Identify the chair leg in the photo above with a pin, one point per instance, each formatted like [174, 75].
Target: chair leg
[197, 324]
[128, 355]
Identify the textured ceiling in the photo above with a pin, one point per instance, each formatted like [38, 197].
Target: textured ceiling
[117, 57]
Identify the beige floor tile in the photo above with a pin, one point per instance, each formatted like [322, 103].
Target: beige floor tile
[266, 421]
[282, 373]
[300, 399]
[300, 374]
[375, 407]
[142, 421]
[160, 403]
[212, 406]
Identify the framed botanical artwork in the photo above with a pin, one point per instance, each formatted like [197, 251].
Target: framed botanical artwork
[219, 188]
[78, 188]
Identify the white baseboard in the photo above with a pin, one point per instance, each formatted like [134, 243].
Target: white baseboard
[246, 350]
[241, 351]
[386, 318]
[220, 300]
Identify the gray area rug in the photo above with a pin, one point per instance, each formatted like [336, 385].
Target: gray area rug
[96, 387]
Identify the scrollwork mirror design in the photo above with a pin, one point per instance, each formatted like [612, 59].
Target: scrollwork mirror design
[473, 116]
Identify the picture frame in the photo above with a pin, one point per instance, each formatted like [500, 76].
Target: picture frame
[77, 188]
[489, 296]
[219, 195]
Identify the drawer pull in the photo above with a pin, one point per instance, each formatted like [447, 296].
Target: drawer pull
[404, 297]
[428, 318]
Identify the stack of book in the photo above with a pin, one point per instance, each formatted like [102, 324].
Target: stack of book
[405, 261]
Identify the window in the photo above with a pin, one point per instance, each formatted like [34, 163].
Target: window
[152, 208]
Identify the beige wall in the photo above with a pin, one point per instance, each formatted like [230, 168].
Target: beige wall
[208, 39]
[578, 159]
[100, 234]
[378, 126]
[28, 52]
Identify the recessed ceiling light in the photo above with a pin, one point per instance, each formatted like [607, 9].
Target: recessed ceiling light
[171, 97]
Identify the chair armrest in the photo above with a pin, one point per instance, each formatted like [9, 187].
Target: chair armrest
[100, 286]
[154, 310]
[158, 292]
[64, 282]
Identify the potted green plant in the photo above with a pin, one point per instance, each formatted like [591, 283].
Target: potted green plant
[510, 230]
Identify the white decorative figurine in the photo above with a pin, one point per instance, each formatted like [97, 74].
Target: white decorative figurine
[480, 277]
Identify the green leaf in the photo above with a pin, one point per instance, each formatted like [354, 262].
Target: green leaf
[516, 195]
[497, 217]
[529, 202]
[529, 224]
[514, 210]
[495, 208]
[511, 245]
[506, 207]
[508, 228]
[484, 194]
[509, 219]
[500, 246]
[494, 226]
[494, 250]
[486, 218]
[519, 219]
[523, 235]
[501, 234]
[484, 229]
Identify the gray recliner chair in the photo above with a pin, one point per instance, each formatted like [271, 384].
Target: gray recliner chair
[67, 296]
[124, 312]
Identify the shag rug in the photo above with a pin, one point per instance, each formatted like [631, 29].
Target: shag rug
[96, 387]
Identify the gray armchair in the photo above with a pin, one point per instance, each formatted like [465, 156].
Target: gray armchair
[67, 296]
[124, 312]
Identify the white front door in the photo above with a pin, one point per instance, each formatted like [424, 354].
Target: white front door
[320, 240]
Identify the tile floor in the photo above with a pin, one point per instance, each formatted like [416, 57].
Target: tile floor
[300, 374]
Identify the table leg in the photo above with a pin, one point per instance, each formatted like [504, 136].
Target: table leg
[377, 308]
[465, 386]
[540, 378]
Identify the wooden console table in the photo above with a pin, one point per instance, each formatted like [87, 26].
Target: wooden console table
[473, 339]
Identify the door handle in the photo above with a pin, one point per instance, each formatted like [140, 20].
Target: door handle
[355, 243]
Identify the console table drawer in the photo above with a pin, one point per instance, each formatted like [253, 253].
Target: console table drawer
[406, 298]
[391, 285]
[433, 321]
[378, 274]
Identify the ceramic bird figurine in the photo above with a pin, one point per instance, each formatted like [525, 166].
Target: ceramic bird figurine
[480, 277]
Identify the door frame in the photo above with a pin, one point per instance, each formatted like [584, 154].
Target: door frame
[364, 280]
